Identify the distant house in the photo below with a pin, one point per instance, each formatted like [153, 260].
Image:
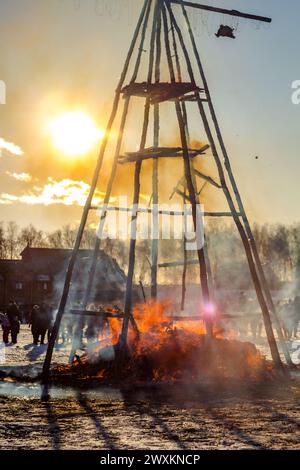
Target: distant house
[39, 276]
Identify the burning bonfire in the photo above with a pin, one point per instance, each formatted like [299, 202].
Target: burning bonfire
[166, 351]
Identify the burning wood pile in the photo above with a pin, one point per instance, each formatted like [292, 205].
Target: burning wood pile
[166, 351]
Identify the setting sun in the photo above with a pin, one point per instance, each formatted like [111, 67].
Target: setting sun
[74, 133]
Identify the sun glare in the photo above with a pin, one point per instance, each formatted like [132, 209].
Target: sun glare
[74, 133]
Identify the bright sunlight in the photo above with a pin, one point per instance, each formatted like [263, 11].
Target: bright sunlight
[74, 133]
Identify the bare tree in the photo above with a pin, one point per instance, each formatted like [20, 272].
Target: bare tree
[279, 249]
[32, 237]
[11, 234]
[68, 235]
[55, 239]
[3, 244]
[88, 239]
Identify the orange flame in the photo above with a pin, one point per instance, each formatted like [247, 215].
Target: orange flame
[168, 350]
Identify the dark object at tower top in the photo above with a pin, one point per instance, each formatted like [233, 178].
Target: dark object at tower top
[226, 32]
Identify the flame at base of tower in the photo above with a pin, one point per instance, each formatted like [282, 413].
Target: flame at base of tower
[169, 351]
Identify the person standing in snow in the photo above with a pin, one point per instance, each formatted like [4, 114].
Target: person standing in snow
[14, 316]
[37, 325]
[4, 321]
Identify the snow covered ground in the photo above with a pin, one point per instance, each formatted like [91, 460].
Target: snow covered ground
[26, 353]
[192, 418]
[203, 416]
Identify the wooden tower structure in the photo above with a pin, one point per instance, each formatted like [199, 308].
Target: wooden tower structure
[158, 21]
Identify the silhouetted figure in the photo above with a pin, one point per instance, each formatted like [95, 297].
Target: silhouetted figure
[256, 326]
[66, 329]
[13, 314]
[48, 314]
[45, 323]
[296, 315]
[288, 318]
[5, 324]
[34, 321]
[39, 320]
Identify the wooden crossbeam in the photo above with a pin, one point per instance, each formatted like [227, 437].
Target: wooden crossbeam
[221, 316]
[160, 212]
[159, 92]
[107, 314]
[123, 159]
[176, 264]
[104, 314]
[185, 196]
[96, 313]
[223, 11]
[208, 179]
[181, 182]
[155, 151]
[190, 98]
[182, 194]
[160, 152]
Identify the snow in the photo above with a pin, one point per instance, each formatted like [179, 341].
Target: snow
[26, 353]
[25, 359]
[203, 416]
[190, 418]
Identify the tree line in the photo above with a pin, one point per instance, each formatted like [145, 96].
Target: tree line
[278, 245]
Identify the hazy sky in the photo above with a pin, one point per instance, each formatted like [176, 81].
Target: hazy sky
[60, 55]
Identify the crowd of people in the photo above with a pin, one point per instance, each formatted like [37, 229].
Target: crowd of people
[289, 315]
[246, 322]
[10, 321]
[40, 320]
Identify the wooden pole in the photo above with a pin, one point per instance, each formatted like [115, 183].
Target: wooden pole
[155, 198]
[189, 179]
[237, 194]
[184, 113]
[223, 11]
[184, 270]
[155, 215]
[193, 172]
[66, 288]
[78, 334]
[243, 235]
[143, 290]
[136, 195]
